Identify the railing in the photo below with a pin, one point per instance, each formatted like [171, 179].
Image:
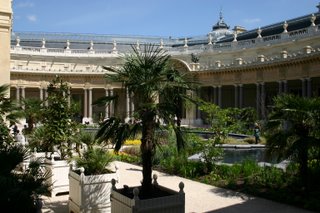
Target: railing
[223, 47]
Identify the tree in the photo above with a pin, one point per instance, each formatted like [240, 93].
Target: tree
[32, 112]
[57, 119]
[147, 75]
[293, 129]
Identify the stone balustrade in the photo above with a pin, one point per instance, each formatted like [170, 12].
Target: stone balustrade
[172, 50]
[177, 51]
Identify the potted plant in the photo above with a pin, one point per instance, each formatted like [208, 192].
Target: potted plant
[90, 181]
[156, 87]
[60, 131]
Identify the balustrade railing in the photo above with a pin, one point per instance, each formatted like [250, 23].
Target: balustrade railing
[177, 49]
[174, 50]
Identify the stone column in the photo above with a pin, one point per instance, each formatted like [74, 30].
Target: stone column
[69, 96]
[23, 95]
[280, 91]
[219, 96]
[309, 88]
[127, 105]
[303, 87]
[107, 106]
[236, 98]
[258, 98]
[85, 103]
[18, 93]
[46, 96]
[215, 95]
[211, 94]
[23, 92]
[41, 93]
[240, 96]
[111, 104]
[263, 97]
[90, 104]
[132, 104]
[285, 86]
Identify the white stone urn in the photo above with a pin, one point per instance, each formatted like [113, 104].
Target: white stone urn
[173, 202]
[195, 66]
[90, 193]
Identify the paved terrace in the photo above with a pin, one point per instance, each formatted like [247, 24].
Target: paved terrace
[199, 197]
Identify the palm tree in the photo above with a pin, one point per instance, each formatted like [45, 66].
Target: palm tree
[293, 129]
[32, 112]
[147, 75]
[9, 112]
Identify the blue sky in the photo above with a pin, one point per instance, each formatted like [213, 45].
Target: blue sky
[175, 18]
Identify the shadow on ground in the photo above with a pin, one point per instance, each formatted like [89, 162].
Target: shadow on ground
[56, 205]
[259, 205]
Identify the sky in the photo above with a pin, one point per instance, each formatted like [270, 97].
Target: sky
[175, 18]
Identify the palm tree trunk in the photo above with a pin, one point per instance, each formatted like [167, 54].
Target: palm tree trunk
[147, 150]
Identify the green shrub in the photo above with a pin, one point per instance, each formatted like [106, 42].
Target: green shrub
[94, 161]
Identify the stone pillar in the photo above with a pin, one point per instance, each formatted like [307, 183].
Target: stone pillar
[18, 94]
[107, 106]
[23, 92]
[132, 104]
[240, 96]
[236, 97]
[258, 98]
[23, 95]
[111, 104]
[127, 105]
[41, 93]
[309, 88]
[85, 103]
[215, 95]
[219, 96]
[46, 96]
[5, 37]
[303, 87]
[263, 98]
[280, 91]
[90, 104]
[285, 86]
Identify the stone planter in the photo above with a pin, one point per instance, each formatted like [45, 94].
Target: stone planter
[58, 175]
[90, 193]
[173, 202]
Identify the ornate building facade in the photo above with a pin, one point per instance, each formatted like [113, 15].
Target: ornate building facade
[236, 68]
[5, 31]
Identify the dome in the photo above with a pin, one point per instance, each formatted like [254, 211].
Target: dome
[220, 29]
[220, 24]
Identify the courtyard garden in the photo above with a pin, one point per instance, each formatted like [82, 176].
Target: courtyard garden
[157, 140]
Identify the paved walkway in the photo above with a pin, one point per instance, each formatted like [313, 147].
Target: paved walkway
[199, 197]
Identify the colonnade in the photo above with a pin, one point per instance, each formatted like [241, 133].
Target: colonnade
[215, 96]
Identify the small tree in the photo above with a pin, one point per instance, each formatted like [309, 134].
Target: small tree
[57, 119]
[148, 75]
[32, 112]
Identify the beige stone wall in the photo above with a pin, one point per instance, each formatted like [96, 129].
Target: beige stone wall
[5, 34]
